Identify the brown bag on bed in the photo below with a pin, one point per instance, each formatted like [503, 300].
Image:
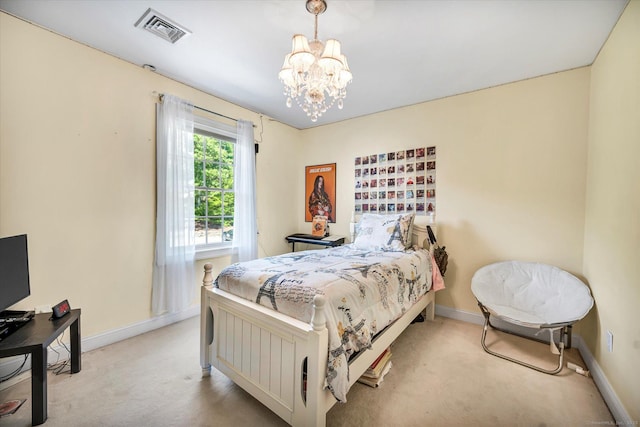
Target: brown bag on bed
[439, 252]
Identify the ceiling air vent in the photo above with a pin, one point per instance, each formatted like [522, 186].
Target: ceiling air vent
[161, 26]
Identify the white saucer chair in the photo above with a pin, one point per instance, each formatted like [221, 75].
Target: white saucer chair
[532, 295]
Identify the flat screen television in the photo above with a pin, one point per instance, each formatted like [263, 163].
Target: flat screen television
[14, 271]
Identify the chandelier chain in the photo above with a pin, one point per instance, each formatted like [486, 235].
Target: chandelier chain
[315, 28]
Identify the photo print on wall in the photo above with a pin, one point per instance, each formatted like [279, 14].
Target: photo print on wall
[396, 182]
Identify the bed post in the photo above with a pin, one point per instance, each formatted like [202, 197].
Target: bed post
[430, 309]
[352, 226]
[315, 413]
[318, 319]
[206, 321]
[207, 280]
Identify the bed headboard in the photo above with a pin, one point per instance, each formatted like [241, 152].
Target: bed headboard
[420, 236]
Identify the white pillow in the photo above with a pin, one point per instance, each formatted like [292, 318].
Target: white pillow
[384, 232]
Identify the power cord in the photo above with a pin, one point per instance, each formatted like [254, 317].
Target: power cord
[10, 375]
[58, 367]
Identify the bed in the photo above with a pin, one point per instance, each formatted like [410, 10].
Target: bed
[292, 334]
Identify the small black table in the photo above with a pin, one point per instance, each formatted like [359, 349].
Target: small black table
[329, 241]
[34, 338]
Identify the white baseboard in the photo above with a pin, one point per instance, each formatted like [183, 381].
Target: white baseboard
[91, 343]
[148, 325]
[12, 364]
[478, 319]
[465, 316]
[609, 395]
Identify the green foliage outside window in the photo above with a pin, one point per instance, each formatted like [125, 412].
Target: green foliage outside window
[214, 197]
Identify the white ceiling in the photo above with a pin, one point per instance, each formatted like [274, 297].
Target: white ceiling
[401, 52]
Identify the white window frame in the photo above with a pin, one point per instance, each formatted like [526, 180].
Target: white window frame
[203, 125]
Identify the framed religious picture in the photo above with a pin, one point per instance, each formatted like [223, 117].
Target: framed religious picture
[320, 192]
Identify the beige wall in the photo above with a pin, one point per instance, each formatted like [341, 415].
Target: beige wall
[511, 164]
[77, 172]
[612, 232]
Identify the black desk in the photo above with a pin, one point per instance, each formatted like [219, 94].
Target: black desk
[34, 338]
[329, 241]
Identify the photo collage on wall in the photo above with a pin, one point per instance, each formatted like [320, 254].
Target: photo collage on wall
[396, 182]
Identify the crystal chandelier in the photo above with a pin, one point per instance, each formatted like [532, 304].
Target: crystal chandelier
[314, 74]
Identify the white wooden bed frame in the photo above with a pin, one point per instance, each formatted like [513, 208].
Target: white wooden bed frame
[264, 351]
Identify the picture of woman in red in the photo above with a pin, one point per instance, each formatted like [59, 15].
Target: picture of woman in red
[319, 202]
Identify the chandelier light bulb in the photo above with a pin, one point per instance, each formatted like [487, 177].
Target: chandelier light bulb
[315, 74]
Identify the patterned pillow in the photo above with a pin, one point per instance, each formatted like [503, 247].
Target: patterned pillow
[384, 232]
[406, 226]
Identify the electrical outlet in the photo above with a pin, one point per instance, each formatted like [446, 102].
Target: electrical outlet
[43, 309]
[610, 341]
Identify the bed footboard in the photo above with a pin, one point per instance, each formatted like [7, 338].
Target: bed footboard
[279, 360]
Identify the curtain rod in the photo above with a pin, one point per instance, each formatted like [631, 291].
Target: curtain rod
[209, 111]
[213, 112]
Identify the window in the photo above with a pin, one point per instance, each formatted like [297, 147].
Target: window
[214, 155]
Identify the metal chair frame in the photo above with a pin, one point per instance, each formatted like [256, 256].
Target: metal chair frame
[565, 333]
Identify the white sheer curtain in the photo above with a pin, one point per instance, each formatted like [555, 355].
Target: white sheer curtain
[245, 226]
[173, 275]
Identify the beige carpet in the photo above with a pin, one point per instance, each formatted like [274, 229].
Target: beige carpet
[440, 377]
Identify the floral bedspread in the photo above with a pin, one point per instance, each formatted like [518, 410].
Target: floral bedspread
[365, 291]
